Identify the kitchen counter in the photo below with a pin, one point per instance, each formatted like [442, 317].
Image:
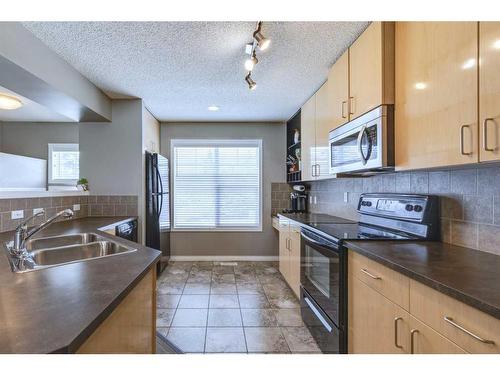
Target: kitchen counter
[468, 275]
[55, 310]
[305, 218]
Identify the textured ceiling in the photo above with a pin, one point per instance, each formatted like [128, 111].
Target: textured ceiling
[180, 68]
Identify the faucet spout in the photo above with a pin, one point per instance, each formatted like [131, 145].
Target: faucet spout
[64, 213]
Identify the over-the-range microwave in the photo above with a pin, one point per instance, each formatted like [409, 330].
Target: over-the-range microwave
[364, 145]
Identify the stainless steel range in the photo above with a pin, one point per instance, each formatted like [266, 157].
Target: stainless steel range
[324, 257]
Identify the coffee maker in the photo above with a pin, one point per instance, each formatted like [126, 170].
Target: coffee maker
[298, 200]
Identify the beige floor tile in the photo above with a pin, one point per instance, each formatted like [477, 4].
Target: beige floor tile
[265, 339]
[224, 301]
[289, 317]
[300, 340]
[253, 301]
[164, 317]
[224, 318]
[225, 340]
[189, 340]
[167, 301]
[258, 318]
[190, 318]
[193, 301]
[197, 288]
[222, 288]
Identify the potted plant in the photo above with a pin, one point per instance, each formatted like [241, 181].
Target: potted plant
[82, 184]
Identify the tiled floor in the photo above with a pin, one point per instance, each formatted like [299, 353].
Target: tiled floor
[206, 307]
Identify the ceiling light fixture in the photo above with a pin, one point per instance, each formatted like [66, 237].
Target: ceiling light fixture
[250, 49]
[251, 83]
[213, 108]
[9, 102]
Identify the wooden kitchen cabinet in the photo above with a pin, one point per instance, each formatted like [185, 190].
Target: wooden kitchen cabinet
[376, 324]
[436, 94]
[289, 254]
[323, 121]
[308, 138]
[489, 90]
[371, 69]
[424, 340]
[338, 92]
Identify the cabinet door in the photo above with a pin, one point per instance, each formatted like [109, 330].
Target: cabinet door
[489, 90]
[338, 92]
[424, 340]
[284, 253]
[436, 94]
[308, 143]
[373, 327]
[294, 276]
[371, 69]
[323, 127]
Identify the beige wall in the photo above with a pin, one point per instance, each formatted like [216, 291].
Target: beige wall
[236, 244]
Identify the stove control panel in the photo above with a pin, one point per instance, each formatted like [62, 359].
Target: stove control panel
[396, 206]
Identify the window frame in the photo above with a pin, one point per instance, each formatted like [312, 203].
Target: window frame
[55, 147]
[216, 142]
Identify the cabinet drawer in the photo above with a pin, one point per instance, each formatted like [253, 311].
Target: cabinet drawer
[455, 320]
[387, 282]
[424, 340]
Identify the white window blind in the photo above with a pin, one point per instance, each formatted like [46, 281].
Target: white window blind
[64, 163]
[217, 184]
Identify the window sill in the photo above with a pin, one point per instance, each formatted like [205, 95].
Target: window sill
[194, 230]
[40, 193]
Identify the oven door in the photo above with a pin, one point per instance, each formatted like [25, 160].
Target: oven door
[358, 148]
[322, 273]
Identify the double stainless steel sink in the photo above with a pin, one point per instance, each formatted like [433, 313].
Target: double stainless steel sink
[53, 251]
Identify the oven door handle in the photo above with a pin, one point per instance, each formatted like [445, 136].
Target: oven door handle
[309, 239]
[318, 315]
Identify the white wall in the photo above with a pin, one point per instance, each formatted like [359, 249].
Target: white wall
[263, 243]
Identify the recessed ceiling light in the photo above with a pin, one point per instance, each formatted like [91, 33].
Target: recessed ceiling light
[469, 64]
[420, 85]
[213, 108]
[9, 102]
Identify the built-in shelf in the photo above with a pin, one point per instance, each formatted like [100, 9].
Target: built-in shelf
[293, 148]
[294, 176]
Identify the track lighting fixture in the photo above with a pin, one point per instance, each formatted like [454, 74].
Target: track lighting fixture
[251, 83]
[250, 49]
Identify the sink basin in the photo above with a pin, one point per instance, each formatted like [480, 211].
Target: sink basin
[73, 253]
[54, 251]
[66, 240]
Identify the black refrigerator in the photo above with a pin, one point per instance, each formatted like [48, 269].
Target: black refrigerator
[158, 206]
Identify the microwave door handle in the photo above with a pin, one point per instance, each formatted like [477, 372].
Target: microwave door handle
[360, 149]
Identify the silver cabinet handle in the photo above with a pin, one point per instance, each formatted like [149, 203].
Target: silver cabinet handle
[396, 332]
[313, 168]
[351, 105]
[485, 134]
[319, 170]
[462, 151]
[412, 340]
[342, 106]
[370, 274]
[447, 319]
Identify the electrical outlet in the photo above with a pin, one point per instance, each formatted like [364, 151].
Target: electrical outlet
[346, 197]
[37, 210]
[310, 199]
[315, 200]
[17, 214]
[76, 207]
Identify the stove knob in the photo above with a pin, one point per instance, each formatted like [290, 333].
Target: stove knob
[369, 204]
[409, 207]
[418, 208]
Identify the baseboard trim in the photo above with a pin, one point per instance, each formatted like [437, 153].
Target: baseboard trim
[222, 258]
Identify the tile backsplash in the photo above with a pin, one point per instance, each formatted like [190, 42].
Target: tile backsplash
[470, 200]
[90, 205]
[280, 197]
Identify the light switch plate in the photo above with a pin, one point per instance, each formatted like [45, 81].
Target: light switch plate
[37, 210]
[76, 207]
[19, 214]
[346, 197]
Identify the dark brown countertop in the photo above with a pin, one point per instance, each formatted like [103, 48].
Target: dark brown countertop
[305, 218]
[56, 309]
[468, 275]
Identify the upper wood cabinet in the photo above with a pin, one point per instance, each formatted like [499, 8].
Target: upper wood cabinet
[322, 129]
[489, 90]
[308, 138]
[338, 92]
[371, 69]
[436, 94]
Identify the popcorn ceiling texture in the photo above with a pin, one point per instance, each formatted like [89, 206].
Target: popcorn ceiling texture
[91, 205]
[181, 68]
[470, 200]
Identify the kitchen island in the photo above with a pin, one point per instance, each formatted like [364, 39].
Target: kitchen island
[88, 307]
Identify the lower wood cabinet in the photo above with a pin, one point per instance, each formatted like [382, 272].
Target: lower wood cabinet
[381, 321]
[131, 327]
[376, 324]
[289, 254]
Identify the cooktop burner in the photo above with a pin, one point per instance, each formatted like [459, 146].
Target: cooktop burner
[354, 231]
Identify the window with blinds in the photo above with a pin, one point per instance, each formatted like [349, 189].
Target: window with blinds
[217, 185]
[64, 163]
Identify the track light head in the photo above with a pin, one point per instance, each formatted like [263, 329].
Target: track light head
[251, 62]
[251, 83]
[262, 41]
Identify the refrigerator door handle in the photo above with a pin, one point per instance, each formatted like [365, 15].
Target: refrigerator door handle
[158, 177]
